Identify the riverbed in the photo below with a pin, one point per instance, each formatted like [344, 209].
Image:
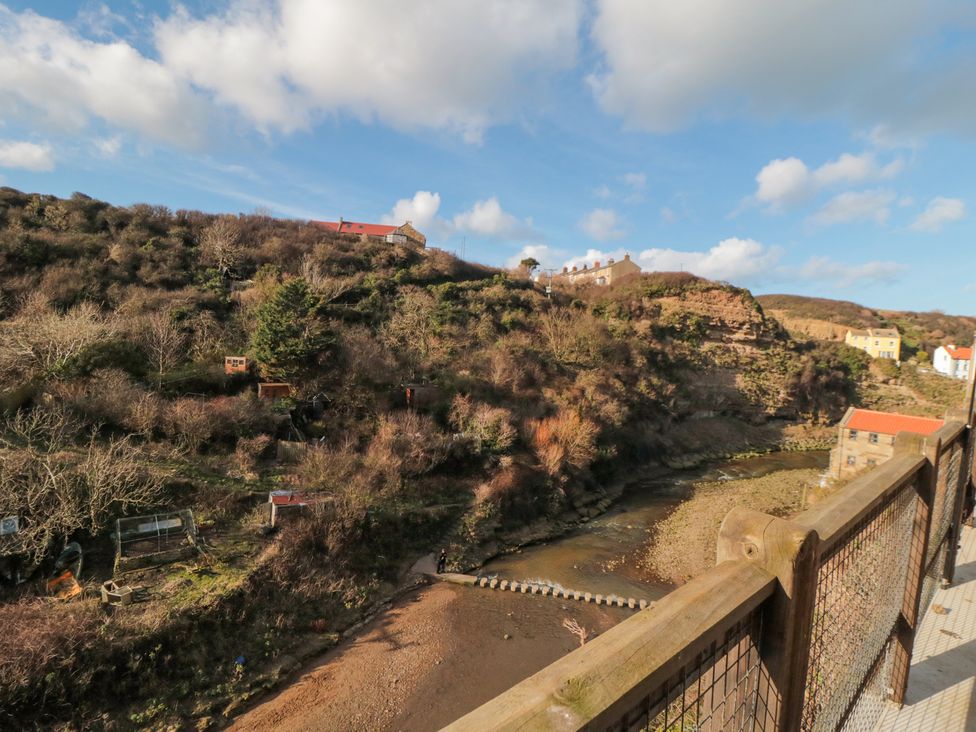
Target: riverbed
[443, 650]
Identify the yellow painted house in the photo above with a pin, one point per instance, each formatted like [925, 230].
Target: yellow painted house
[876, 342]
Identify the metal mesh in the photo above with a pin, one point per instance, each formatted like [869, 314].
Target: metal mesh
[947, 489]
[860, 591]
[871, 700]
[933, 577]
[720, 688]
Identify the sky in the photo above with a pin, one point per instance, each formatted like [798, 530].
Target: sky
[817, 147]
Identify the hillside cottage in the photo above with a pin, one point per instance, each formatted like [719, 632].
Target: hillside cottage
[866, 438]
[235, 365]
[607, 274]
[403, 234]
[954, 361]
[876, 342]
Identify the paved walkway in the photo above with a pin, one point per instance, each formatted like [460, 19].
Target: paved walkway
[942, 682]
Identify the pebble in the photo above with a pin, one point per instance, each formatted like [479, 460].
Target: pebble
[506, 637]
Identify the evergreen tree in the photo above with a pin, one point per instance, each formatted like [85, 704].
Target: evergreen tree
[289, 338]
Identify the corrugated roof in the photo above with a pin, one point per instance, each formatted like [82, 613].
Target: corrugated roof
[354, 227]
[889, 423]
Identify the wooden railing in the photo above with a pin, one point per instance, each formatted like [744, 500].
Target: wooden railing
[804, 624]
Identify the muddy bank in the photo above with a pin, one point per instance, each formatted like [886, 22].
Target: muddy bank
[435, 655]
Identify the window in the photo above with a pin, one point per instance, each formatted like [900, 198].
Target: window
[851, 460]
[871, 462]
[852, 434]
[876, 342]
[873, 438]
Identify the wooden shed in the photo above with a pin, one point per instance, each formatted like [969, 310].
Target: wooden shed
[236, 364]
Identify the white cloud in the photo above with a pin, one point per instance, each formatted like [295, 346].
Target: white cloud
[602, 191]
[52, 77]
[637, 181]
[789, 181]
[939, 211]
[545, 255]
[601, 224]
[783, 182]
[873, 205]
[488, 218]
[845, 275]
[420, 210]
[731, 259]
[747, 261]
[26, 155]
[453, 66]
[108, 147]
[667, 64]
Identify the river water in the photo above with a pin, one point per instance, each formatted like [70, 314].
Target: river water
[599, 557]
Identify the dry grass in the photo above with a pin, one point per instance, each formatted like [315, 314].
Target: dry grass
[683, 545]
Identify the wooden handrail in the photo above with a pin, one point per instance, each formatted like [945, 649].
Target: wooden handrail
[597, 684]
[838, 513]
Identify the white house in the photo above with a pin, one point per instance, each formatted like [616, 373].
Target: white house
[953, 361]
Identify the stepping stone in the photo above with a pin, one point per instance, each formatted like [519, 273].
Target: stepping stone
[577, 595]
[643, 604]
[630, 603]
[620, 602]
[503, 585]
[525, 588]
[599, 599]
[545, 591]
[483, 582]
[587, 597]
[494, 583]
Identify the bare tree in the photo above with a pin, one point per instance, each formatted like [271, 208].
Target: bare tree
[59, 487]
[163, 341]
[326, 287]
[220, 244]
[41, 341]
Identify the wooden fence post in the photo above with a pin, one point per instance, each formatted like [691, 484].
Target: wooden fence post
[789, 552]
[907, 624]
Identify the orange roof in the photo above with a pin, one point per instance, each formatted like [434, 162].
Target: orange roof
[888, 423]
[352, 227]
[958, 353]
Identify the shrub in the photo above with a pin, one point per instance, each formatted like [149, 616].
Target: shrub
[249, 451]
[490, 427]
[191, 422]
[563, 441]
[407, 444]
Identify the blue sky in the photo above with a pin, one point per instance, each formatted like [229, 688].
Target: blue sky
[818, 146]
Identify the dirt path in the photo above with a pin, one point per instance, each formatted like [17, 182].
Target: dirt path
[432, 657]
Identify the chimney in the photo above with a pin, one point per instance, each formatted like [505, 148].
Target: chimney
[610, 261]
[574, 267]
[627, 256]
[596, 264]
[566, 269]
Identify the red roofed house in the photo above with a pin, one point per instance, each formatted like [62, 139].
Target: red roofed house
[403, 234]
[866, 438]
[953, 361]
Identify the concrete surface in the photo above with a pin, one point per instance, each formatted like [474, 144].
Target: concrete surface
[942, 681]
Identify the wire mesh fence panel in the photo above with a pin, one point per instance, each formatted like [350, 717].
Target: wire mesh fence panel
[145, 540]
[860, 592]
[871, 699]
[946, 492]
[720, 688]
[933, 577]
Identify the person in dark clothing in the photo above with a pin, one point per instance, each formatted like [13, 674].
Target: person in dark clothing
[442, 561]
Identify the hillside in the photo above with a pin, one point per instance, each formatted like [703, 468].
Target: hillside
[114, 325]
[825, 319]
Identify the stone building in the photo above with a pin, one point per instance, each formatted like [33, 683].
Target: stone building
[866, 438]
[607, 274]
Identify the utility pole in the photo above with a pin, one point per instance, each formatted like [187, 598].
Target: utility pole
[549, 286]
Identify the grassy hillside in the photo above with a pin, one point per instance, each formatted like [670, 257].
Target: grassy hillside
[920, 331]
[114, 323]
